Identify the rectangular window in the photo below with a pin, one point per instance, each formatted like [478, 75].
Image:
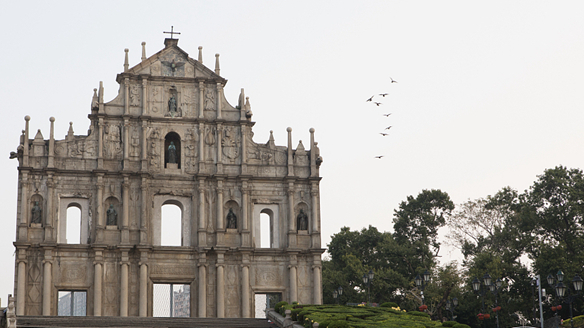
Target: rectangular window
[72, 303]
[172, 300]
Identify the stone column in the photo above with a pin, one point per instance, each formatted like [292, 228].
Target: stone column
[126, 210]
[126, 96]
[97, 287]
[201, 147]
[124, 290]
[220, 220]
[143, 304]
[144, 213]
[245, 296]
[243, 149]
[219, 100]
[220, 290]
[315, 233]
[100, 144]
[317, 284]
[290, 154]
[47, 281]
[144, 141]
[202, 221]
[126, 144]
[47, 284]
[50, 219]
[202, 290]
[99, 203]
[219, 152]
[144, 95]
[293, 284]
[21, 292]
[245, 236]
[201, 98]
[24, 213]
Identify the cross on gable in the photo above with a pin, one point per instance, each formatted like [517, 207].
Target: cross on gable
[171, 32]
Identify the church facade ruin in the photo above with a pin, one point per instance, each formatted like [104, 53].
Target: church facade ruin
[169, 138]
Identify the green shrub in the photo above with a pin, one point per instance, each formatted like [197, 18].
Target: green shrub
[389, 304]
[280, 307]
[418, 313]
[338, 324]
[460, 325]
[449, 323]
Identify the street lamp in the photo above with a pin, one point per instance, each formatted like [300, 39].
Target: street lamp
[337, 294]
[494, 288]
[486, 284]
[423, 282]
[450, 306]
[561, 290]
[367, 280]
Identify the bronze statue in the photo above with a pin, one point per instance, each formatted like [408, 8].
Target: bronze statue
[172, 153]
[302, 220]
[112, 216]
[36, 213]
[231, 220]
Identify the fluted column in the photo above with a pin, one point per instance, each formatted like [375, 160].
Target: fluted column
[47, 286]
[202, 290]
[124, 290]
[126, 144]
[97, 288]
[293, 284]
[220, 291]
[50, 219]
[21, 293]
[202, 231]
[291, 220]
[126, 210]
[317, 285]
[144, 143]
[245, 233]
[201, 98]
[100, 144]
[219, 99]
[144, 213]
[220, 221]
[100, 216]
[143, 303]
[245, 296]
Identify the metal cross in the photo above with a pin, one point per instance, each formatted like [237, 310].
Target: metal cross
[171, 32]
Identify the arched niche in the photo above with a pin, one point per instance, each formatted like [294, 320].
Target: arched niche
[302, 217]
[112, 203]
[37, 210]
[172, 150]
[234, 207]
[273, 213]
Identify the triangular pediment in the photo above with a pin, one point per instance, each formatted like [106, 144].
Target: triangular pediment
[172, 61]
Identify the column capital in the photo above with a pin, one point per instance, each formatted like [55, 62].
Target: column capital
[141, 263]
[96, 262]
[47, 261]
[317, 266]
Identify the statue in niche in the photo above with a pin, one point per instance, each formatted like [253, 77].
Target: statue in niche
[231, 220]
[112, 216]
[172, 106]
[172, 153]
[36, 213]
[302, 220]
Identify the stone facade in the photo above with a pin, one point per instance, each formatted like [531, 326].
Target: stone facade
[169, 137]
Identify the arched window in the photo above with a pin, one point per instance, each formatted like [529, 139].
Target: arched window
[172, 150]
[171, 225]
[73, 221]
[266, 226]
[265, 230]
[73, 225]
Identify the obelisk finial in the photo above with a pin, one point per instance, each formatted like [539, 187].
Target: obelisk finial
[143, 51]
[126, 64]
[200, 54]
[217, 69]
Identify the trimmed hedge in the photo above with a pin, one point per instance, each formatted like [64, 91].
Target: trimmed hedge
[449, 323]
[460, 325]
[389, 304]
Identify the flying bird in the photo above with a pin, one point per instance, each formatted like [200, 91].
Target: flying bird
[377, 103]
[383, 94]
[370, 99]
[383, 134]
[386, 115]
[389, 127]
[392, 80]
[379, 157]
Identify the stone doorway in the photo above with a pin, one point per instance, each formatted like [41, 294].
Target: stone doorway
[171, 300]
[264, 302]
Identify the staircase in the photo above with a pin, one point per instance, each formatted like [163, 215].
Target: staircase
[139, 322]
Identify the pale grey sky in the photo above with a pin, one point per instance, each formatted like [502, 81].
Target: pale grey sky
[489, 93]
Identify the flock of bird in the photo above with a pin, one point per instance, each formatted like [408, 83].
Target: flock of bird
[384, 134]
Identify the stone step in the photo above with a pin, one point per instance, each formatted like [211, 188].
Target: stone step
[135, 322]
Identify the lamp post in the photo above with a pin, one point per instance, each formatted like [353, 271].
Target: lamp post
[561, 290]
[423, 282]
[494, 288]
[451, 305]
[367, 280]
[476, 287]
[337, 294]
